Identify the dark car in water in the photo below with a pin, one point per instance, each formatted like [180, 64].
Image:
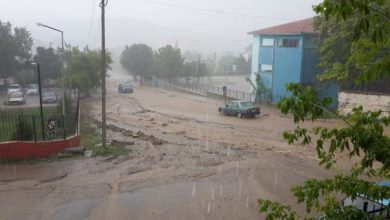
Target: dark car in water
[240, 109]
[126, 87]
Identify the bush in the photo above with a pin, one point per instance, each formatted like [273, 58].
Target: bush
[24, 130]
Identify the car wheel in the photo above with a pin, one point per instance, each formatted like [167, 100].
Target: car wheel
[239, 115]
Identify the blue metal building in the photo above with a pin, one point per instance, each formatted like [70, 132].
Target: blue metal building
[288, 53]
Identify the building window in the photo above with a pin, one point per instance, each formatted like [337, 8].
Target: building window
[267, 42]
[288, 42]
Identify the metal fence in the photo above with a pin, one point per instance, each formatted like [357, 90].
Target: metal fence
[27, 125]
[198, 89]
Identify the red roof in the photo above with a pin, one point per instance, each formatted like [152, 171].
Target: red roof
[304, 26]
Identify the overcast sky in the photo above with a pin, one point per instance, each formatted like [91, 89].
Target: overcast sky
[203, 25]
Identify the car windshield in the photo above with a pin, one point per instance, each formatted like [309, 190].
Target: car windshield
[49, 94]
[14, 87]
[16, 95]
[246, 104]
[33, 86]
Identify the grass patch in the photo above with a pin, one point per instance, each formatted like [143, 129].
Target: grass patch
[91, 139]
[28, 119]
[28, 111]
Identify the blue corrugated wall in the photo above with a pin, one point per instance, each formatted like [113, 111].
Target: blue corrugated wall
[290, 64]
[287, 67]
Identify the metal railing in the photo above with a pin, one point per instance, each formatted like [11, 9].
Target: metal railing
[198, 89]
[25, 124]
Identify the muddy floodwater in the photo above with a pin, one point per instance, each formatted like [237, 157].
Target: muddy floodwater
[187, 162]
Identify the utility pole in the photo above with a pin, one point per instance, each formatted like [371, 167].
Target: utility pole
[103, 4]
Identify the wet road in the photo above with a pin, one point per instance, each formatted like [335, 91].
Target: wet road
[187, 162]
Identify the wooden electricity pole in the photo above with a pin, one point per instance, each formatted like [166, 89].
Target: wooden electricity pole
[103, 69]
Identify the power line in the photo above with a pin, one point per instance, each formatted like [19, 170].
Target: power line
[216, 11]
[91, 22]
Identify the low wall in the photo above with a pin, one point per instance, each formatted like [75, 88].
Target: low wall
[370, 102]
[26, 149]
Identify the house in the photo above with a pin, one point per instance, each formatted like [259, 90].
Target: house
[288, 53]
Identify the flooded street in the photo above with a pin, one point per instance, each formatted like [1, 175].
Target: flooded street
[187, 162]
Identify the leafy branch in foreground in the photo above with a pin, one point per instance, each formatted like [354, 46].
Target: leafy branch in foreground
[362, 137]
[355, 41]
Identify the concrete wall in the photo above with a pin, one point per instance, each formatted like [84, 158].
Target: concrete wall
[27, 149]
[347, 101]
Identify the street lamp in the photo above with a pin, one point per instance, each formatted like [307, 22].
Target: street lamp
[62, 67]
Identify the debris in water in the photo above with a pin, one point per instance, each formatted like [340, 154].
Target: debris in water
[193, 190]
[239, 187]
[276, 180]
[88, 153]
[121, 143]
[237, 168]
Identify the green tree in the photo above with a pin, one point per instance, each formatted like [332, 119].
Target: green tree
[364, 26]
[137, 60]
[195, 69]
[15, 44]
[242, 65]
[356, 40]
[83, 68]
[168, 62]
[259, 89]
[50, 63]
[225, 64]
[191, 55]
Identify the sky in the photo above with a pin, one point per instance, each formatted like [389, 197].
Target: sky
[203, 25]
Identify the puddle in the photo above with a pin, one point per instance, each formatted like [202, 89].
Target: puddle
[189, 200]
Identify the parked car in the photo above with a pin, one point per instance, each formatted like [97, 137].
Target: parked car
[240, 109]
[16, 98]
[14, 88]
[49, 97]
[32, 89]
[126, 87]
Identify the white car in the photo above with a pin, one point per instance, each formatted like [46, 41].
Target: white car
[32, 89]
[16, 98]
[14, 88]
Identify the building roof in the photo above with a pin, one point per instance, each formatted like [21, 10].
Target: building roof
[304, 26]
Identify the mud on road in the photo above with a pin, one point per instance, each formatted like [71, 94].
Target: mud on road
[187, 162]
